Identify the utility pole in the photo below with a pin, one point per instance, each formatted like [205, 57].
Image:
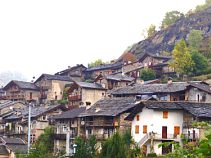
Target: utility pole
[29, 127]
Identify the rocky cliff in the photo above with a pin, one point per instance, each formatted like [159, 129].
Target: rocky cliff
[164, 40]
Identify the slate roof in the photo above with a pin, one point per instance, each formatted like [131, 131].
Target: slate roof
[200, 86]
[69, 69]
[54, 77]
[119, 78]
[3, 150]
[18, 148]
[13, 140]
[105, 66]
[151, 88]
[196, 109]
[22, 85]
[90, 85]
[9, 103]
[70, 113]
[109, 107]
[17, 145]
[165, 58]
[35, 111]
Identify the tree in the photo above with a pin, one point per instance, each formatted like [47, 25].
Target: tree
[151, 30]
[120, 146]
[171, 18]
[203, 6]
[43, 147]
[147, 74]
[95, 63]
[182, 60]
[85, 148]
[195, 39]
[201, 63]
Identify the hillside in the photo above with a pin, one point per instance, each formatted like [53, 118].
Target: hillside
[164, 40]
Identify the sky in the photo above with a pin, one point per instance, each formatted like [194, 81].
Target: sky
[47, 36]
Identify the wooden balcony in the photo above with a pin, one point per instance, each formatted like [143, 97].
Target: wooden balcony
[74, 97]
[14, 97]
[63, 136]
[100, 123]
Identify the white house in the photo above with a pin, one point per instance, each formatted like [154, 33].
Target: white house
[155, 122]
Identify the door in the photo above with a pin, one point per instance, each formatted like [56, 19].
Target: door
[166, 149]
[164, 131]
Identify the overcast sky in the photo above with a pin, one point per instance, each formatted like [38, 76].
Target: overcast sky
[45, 36]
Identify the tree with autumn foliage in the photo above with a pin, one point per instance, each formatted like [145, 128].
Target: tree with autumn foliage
[182, 61]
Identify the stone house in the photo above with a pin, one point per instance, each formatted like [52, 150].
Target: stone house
[52, 86]
[17, 122]
[23, 91]
[147, 60]
[66, 122]
[76, 73]
[104, 69]
[172, 91]
[114, 81]
[106, 117]
[9, 147]
[199, 92]
[175, 118]
[85, 94]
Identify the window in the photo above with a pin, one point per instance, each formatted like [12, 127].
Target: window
[198, 97]
[137, 129]
[137, 117]
[165, 114]
[176, 130]
[30, 96]
[144, 129]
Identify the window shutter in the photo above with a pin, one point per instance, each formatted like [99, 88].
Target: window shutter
[137, 129]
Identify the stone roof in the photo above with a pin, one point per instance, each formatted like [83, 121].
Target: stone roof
[119, 78]
[90, 85]
[70, 113]
[18, 148]
[196, 109]
[200, 86]
[12, 140]
[22, 85]
[165, 58]
[35, 111]
[151, 88]
[9, 103]
[17, 145]
[70, 69]
[54, 77]
[109, 107]
[105, 66]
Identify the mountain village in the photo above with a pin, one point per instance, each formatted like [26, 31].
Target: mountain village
[102, 100]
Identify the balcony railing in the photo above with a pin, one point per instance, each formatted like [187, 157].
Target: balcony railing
[63, 136]
[74, 97]
[191, 136]
[10, 97]
[100, 123]
[167, 137]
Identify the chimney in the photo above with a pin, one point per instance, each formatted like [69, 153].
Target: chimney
[69, 67]
[170, 80]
